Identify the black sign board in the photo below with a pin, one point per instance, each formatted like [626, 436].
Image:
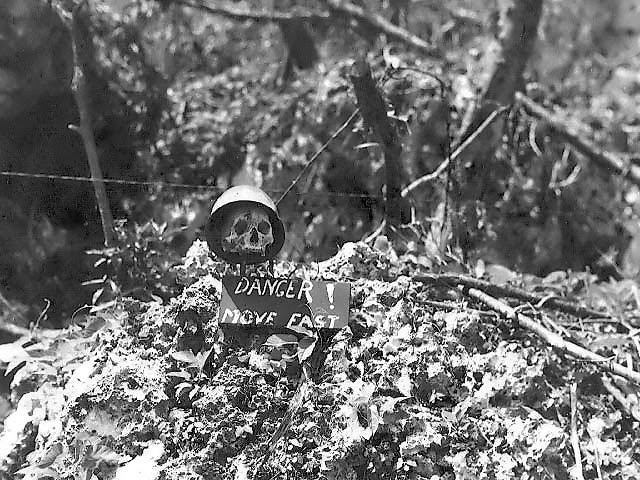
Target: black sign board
[284, 302]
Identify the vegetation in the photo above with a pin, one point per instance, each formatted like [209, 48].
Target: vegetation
[470, 170]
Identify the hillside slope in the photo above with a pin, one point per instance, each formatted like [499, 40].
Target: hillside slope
[422, 384]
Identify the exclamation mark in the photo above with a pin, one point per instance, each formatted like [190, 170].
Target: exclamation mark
[330, 288]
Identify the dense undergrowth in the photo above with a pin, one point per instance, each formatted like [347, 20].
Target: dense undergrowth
[422, 384]
[200, 100]
[212, 112]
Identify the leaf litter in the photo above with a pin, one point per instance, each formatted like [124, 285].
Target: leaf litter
[408, 390]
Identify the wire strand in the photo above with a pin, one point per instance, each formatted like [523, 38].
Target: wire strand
[118, 181]
[317, 154]
[160, 183]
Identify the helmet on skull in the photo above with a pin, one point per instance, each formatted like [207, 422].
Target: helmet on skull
[244, 226]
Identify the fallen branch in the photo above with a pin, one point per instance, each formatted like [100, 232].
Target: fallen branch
[379, 23]
[453, 306]
[606, 160]
[554, 339]
[256, 16]
[628, 403]
[509, 291]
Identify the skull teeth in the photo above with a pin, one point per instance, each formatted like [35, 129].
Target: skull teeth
[248, 232]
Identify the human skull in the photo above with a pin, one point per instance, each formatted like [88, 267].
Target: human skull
[248, 231]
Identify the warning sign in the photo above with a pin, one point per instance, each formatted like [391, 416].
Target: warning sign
[284, 302]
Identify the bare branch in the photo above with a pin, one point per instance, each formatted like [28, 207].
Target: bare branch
[605, 160]
[628, 402]
[441, 168]
[575, 438]
[379, 23]
[376, 22]
[554, 339]
[315, 156]
[256, 16]
[458, 151]
[509, 291]
[81, 96]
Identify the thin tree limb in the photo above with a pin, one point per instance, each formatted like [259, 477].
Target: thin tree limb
[554, 339]
[476, 179]
[81, 96]
[453, 306]
[629, 404]
[575, 439]
[596, 454]
[369, 238]
[442, 167]
[315, 156]
[509, 291]
[256, 16]
[14, 311]
[605, 160]
[375, 21]
[456, 153]
[379, 23]
[14, 330]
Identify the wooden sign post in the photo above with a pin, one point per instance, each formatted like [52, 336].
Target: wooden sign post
[284, 302]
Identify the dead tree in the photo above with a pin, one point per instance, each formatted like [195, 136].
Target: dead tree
[81, 95]
[518, 25]
[373, 111]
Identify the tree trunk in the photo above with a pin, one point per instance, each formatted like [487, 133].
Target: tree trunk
[301, 49]
[82, 53]
[374, 114]
[518, 27]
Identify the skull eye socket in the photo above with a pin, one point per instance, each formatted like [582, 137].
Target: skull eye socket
[240, 226]
[264, 227]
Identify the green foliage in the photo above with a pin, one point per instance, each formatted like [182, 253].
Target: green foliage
[139, 265]
[192, 372]
[420, 384]
[196, 99]
[406, 391]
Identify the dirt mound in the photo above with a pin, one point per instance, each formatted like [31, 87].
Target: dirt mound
[422, 384]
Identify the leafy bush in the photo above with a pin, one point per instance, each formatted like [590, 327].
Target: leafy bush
[139, 265]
